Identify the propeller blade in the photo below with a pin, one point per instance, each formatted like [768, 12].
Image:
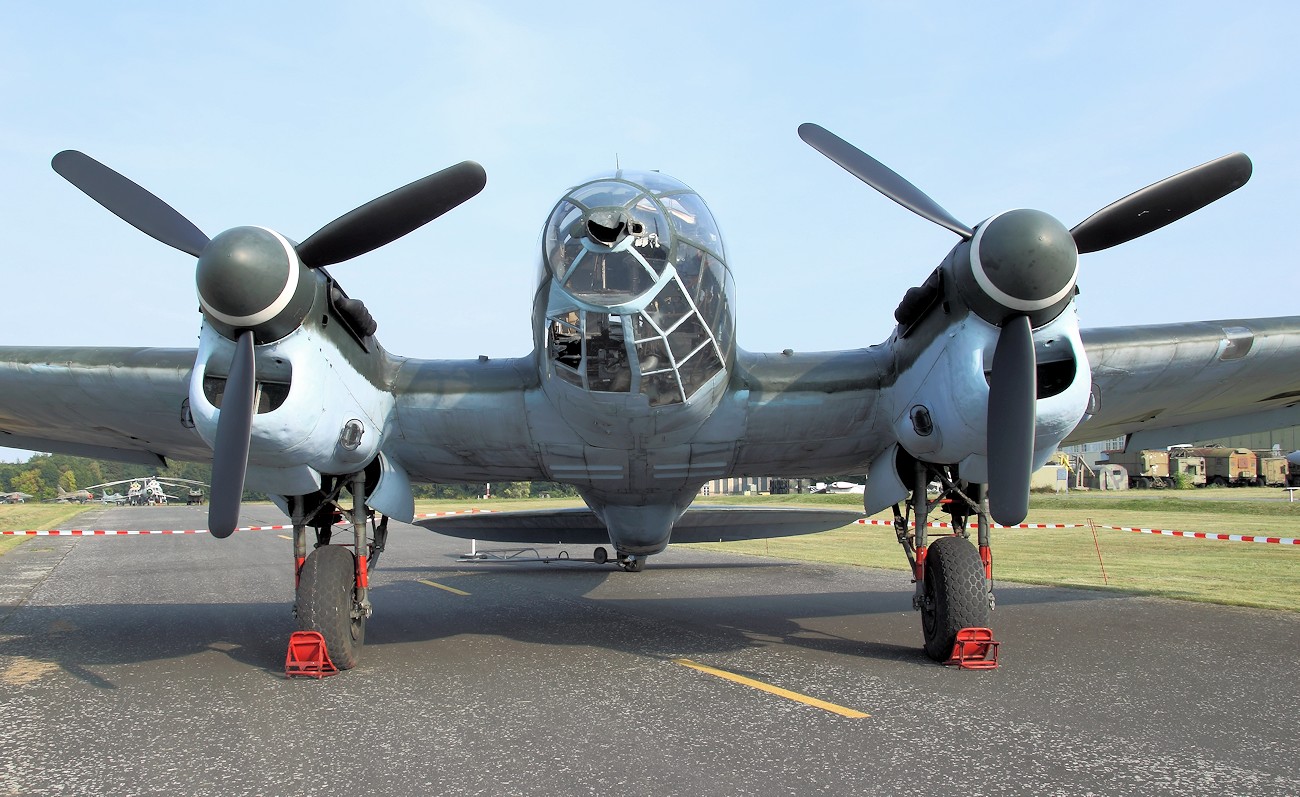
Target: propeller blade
[1161, 203]
[1011, 421]
[234, 432]
[129, 202]
[880, 177]
[384, 220]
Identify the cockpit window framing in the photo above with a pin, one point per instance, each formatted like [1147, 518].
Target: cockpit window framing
[675, 331]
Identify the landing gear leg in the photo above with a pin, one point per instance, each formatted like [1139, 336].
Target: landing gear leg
[953, 579]
[333, 581]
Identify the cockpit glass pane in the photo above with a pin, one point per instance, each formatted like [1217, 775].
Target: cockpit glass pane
[609, 278]
[687, 262]
[668, 307]
[607, 367]
[650, 233]
[652, 355]
[566, 341]
[655, 182]
[689, 335]
[606, 193]
[561, 250]
[692, 220]
[661, 388]
[711, 299]
[699, 369]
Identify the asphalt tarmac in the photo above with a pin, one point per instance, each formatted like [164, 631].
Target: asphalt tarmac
[154, 665]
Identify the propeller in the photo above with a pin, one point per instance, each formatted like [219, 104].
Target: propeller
[129, 202]
[1161, 203]
[382, 221]
[246, 278]
[1024, 262]
[880, 177]
[1011, 420]
[234, 433]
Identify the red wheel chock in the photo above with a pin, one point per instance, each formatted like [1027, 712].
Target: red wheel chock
[974, 649]
[307, 656]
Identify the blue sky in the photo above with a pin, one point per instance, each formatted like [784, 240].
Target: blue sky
[289, 114]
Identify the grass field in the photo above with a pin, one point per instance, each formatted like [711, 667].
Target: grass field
[1236, 573]
[14, 517]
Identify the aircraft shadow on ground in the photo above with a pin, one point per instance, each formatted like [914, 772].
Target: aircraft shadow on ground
[651, 614]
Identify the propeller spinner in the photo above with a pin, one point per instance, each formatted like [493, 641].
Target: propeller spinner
[252, 280]
[1025, 262]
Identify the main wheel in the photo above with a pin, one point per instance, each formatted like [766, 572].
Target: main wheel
[955, 593]
[326, 594]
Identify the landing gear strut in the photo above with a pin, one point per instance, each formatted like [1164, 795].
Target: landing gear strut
[333, 582]
[954, 579]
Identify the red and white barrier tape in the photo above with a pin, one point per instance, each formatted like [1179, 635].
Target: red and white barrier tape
[115, 532]
[938, 525]
[1200, 535]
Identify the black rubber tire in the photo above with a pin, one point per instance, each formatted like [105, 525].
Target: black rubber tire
[954, 585]
[326, 588]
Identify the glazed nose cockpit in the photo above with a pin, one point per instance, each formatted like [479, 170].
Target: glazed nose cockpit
[640, 296]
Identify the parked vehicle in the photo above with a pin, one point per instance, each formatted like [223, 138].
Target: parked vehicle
[1225, 467]
[1192, 466]
[1272, 471]
[1146, 468]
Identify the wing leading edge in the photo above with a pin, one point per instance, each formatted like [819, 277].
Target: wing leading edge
[114, 403]
[1175, 383]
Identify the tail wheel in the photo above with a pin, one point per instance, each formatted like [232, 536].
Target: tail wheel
[326, 601]
[956, 596]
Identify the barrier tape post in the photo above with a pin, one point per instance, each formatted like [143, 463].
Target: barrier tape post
[1097, 544]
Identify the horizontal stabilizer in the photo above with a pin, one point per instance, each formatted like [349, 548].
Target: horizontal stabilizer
[580, 526]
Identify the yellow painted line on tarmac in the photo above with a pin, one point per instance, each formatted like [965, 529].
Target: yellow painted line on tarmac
[285, 537]
[774, 690]
[452, 590]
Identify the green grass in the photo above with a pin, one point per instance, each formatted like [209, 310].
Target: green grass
[1234, 573]
[16, 517]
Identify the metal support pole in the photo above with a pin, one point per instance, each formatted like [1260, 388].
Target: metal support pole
[297, 510]
[920, 505]
[358, 487]
[983, 537]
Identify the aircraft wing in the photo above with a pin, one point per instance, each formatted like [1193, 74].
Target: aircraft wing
[580, 526]
[1175, 383]
[112, 403]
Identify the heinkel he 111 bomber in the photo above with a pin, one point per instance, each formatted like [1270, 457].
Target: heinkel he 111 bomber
[636, 393]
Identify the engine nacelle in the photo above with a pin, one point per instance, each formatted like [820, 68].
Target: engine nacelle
[317, 409]
[939, 405]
